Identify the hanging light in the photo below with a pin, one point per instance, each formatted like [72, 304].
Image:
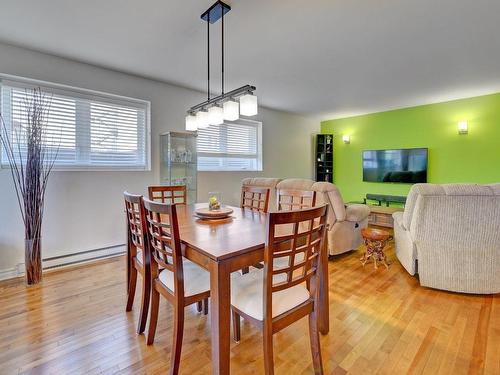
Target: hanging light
[248, 105]
[231, 110]
[202, 119]
[191, 123]
[215, 115]
[225, 106]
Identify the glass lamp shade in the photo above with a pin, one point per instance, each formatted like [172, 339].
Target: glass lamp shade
[202, 120]
[191, 123]
[215, 115]
[248, 105]
[231, 110]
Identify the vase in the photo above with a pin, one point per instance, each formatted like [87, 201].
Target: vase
[33, 260]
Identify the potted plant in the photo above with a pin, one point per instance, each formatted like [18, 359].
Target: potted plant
[31, 152]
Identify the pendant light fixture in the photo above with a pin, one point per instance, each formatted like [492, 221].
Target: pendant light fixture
[226, 106]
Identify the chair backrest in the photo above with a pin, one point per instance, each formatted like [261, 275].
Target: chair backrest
[164, 241]
[328, 193]
[136, 226]
[168, 194]
[288, 199]
[255, 198]
[299, 237]
[264, 182]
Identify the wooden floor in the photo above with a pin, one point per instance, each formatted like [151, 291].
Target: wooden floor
[382, 322]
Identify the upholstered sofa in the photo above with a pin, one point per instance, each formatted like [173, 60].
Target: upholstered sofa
[344, 223]
[450, 236]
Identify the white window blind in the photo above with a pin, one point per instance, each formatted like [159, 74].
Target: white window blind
[88, 130]
[232, 146]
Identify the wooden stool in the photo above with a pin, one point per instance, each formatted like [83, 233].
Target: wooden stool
[375, 241]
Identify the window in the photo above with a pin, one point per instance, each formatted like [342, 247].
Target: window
[232, 146]
[88, 130]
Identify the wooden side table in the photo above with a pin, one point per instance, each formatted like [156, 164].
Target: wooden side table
[375, 241]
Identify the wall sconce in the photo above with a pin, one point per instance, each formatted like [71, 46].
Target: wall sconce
[463, 127]
[346, 139]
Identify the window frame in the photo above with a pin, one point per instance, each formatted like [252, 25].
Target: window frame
[82, 93]
[260, 150]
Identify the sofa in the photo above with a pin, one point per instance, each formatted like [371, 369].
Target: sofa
[344, 223]
[450, 235]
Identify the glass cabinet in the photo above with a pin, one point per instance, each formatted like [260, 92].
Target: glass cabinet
[179, 164]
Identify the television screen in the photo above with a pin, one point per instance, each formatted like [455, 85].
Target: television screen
[407, 166]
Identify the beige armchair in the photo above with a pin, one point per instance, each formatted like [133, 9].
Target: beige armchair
[449, 235]
[345, 224]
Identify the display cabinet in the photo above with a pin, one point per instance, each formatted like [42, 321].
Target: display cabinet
[179, 161]
[324, 157]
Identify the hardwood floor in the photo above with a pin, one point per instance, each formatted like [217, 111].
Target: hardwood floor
[382, 322]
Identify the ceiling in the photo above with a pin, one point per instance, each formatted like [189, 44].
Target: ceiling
[323, 58]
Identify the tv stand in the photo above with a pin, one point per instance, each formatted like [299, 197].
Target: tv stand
[387, 199]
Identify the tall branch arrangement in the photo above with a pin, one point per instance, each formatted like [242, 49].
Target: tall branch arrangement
[31, 150]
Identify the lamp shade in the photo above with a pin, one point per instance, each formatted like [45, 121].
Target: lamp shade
[202, 120]
[231, 110]
[248, 105]
[463, 127]
[191, 123]
[215, 115]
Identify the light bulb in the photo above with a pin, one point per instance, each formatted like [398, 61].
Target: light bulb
[231, 110]
[248, 105]
[215, 115]
[202, 119]
[191, 123]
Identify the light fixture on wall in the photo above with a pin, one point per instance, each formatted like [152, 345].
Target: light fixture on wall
[346, 138]
[463, 127]
[226, 106]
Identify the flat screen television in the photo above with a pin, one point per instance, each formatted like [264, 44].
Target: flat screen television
[408, 166]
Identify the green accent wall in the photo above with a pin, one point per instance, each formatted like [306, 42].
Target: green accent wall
[474, 157]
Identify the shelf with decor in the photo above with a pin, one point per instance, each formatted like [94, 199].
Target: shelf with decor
[324, 157]
[179, 161]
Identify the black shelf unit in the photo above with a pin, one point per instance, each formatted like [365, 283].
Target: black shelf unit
[324, 157]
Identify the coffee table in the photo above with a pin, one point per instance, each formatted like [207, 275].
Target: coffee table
[375, 241]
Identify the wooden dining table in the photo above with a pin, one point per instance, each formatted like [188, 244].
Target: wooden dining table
[224, 246]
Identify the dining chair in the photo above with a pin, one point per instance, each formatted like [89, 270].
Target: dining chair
[138, 260]
[288, 200]
[255, 198]
[276, 297]
[179, 280]
[168, 194]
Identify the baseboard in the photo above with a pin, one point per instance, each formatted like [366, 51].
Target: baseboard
[61, 261]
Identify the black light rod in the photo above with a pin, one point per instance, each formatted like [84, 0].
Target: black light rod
[233, 93]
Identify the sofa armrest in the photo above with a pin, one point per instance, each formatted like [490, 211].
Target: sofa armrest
[398, 219]
[357, 212]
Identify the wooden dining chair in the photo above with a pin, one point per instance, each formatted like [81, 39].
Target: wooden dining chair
[255, 198]
[288, 200]
[179, 280]
[168, 194]
[276, 297]
[138, 260]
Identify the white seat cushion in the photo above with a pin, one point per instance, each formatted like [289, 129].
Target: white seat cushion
[196, 279]
[139, 256]
[247, 295]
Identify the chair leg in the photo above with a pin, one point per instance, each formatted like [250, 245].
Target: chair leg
[236, 326]
[199, 306]
[268, 352]
[205, 306]
[131, 288]
[177, 340]
[146, 294]
[315, 346]
[153, 315]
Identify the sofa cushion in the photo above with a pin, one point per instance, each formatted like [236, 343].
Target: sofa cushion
[295, 184]
[328, 193]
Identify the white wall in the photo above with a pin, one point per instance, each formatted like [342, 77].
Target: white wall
[84, 210]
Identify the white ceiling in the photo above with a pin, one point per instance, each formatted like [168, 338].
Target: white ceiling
[317, 57]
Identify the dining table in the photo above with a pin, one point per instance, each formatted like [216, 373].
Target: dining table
[223, 246]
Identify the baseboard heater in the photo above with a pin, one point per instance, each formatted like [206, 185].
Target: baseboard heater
[83, 257]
